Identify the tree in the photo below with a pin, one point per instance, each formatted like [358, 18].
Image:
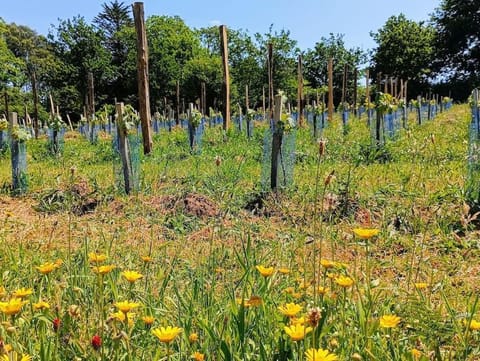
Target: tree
[112, 21]
[405, 50]
[316, 59]
[457, 44]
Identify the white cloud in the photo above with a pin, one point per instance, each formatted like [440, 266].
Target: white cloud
[215, 23]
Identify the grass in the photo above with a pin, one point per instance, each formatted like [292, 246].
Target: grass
[422, 267]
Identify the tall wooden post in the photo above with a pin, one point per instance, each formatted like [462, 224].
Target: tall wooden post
[367, 87]
[264, 104]
[203, 100]
[177, 103]
[276, 143]
[35, 104]
[385, 88]
[355, 79]
[142, 75]
[270, 79]
[226, 77]
[344, 82]
[247, 103]
[378, 124]
[330, 89]
[300, 92]
[5, 95]
[90, 97]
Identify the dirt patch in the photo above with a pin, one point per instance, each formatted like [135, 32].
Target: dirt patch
[192, 204]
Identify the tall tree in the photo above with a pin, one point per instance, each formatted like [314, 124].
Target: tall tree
[112, 20]
[405, 50]
[457, 43]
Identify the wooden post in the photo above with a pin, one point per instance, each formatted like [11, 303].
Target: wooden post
[247, 103]
[142, 75]
[270, 79]
[405, 90]
[5, 95]
[378, 125]
[344, 81]
[226, 77]
[177, 103]
[355, 80]
[35, 105]
[91, 97]
[367, 87]
[300, 92]
[330, 89]
[123, 149]
[276, 143]
[419, 100]
[203, 98]
[264, 104]
[385, 88]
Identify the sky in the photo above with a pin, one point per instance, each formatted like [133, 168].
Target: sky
[307, 20]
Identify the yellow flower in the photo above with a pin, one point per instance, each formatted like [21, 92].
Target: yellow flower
[327, 264]
[148, 320]
[3, 291]
[166, 334]
[474, 325]
[416, 353]
[322, 290]
[255, 301]
[284, 271]
[290, 309]
[96, 257]
[297, 321]
[132, 276]
[319, 354]
[126, 306]
[41, 305]
[421, 285]
[11, 307]
[389, 321]
[118, 316]
[297, 332]
[265, 271]
[197, 356]
[147, 259]
[22, 292]
[344, 281]
[193, 337]
[46, 268]
[365, 233]
[15, 357]
[289, 290]
[243, 302]
[103, 270]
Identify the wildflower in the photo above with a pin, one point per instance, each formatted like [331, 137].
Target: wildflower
[56, 324]
[103, 270]
[344, 281]
[11, 307]
[15, 357]
[193, 337]
[96, 257]
[416, 354]
[22, 292]
[321, 147]
[290, 309]
[289, 290]
[255, 301]
[319, 354]
[389, 321]
[41, 305]
[314, 315]
[284, 271]
[46, 268]
[126, 306]
[120, 317]
[297, 332]
[148, 320]
[421, 285]
[131, 276]
[147, 259]
[365, 233]
[297, 320]
[265, 271]
[166, 334]
[322, 290]
[327, 264]
[474, 325]
[197, 356]
[3, 291]
[96, 342]
[74, 311]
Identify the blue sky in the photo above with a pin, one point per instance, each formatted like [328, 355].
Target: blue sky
[308, 20]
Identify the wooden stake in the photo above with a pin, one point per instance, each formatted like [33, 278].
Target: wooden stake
[300, 92]
[142, 74]
[123, 149]
[5, 94]
[355, 80]
[330, 89]
[276, 143]
[226, 77]
[367, 87]
[270, 79]
[91, 97]
[247, 105]
[69, 122]
[177, 103]
[35, 105]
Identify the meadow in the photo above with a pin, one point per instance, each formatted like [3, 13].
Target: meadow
[366, 256]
